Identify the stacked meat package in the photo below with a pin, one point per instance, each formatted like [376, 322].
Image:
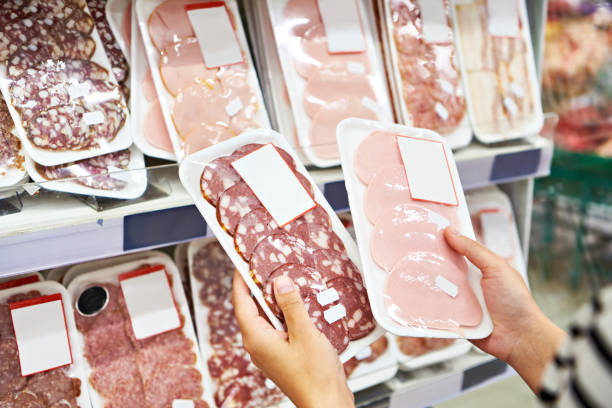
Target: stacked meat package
[332, 65]
[12, 169]
[205, 80]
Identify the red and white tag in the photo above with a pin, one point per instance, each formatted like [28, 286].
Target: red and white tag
[213, 28]
[503, 18]
[427, 170]
[497, 232]
[150, 301]
[41, 334]
[343, 28]
[434, 21]
[275, 184]
[13, 283]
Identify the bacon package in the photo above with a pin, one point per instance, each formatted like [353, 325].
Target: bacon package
[427, 87]
[498, 68]
[272, 220]
[331, 62]
[404, 190]
[57, 81]
[12, 169]
[63, 386]
[126, 366]
[202, 71]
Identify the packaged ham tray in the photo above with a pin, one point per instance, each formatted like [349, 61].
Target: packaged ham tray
[117, 364]
[325, 88]
[417, 352]
[67, 383]
[418, 286]
[59, 85]
[115, 175]
[315, 246]
[425, 74]
[503, 94]
[201, 106]
[12, 170]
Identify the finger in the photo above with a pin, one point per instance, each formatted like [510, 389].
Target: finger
[478, 254]
[290, 302]
[246, 310]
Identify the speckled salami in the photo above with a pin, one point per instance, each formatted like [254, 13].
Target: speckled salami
[11, 10]
[112, 49]
[318, 236]
[234, 203]
[53, 386]
[6, 323]
[22, 399]
[218, 176]
[211, 262]
[10, 372]
[77, 45]
[167, 348]
[80, 21]
[248, 391]
[105, 377]
[24, 31]
[212, 291]
[108, 342]
[307, 279]
[224, 328]
[317, 215]
[172, 382]
[18, 297]
[251, 229]
[336, 333]
[10, 155]
[251, 147]
[275, 251]
[359, 319]
[305, 182]
[36, 52]
[127, 394]
[333, 264]
[229, 362]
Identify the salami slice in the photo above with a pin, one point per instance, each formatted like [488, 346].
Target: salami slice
[218, 176]
[167, 348]
[276, 250]
[126, 394]
[172, 382]
[317, 216]
[305, 182]
[77, 45]
[10, 372]
[105, 377]
[247, 391]
[227, 363]
[251, 229]
[318, 236]
[223, 325]
[336, 332]
[251, 147]
[235, 202]
[108, 342]
[6, 323]
[213, 291]
[353, 297]
[23, 31]
[211, 262]
[307, 279]
[378, 349]
[80, 21]
[36, 52]
[53, 386]
[22, 399]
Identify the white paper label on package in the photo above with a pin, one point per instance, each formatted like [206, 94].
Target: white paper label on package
[213, 29]
[334, 313]
[363, 354]
[327, 297]
[427, 170]
[497, 234]
[183, 403]
[434, 23]
[503, 18]
[286, 198]
[41, 334]
[79, 90]
[343, 26]
[93, 118]
[149, 301]
[447, 286]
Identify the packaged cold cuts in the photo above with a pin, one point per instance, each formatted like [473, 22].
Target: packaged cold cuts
[498, 68]
[203, 72]
[272, 220]
[372, 365]
[58, 82]
[12, 169]
[333, 69]
[133, 360]
[53, 383]
[418, 352]
[119, 17]
[425, 74]
[404, 190]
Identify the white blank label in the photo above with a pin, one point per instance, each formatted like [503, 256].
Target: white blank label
[334, 313]
[447, 286]
[327, 297]
[216, 36]
[503, 18]
[433, 18]
[497, 234]
[342, 26]
[427, 170]
[363, 354]
[150, 304]
[93, 118]
[183, 403]
[40, 332]
[274, 184]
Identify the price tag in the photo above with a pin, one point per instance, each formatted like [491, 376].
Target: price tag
[41, 334]
[503, 18]
[79, 90]
[427, 170]
[213, 28]
[334, 313]
[93, 118]
[363, 354]
[434, 22]
[275, 184]
[327, 297]
[183, 403]
[447, 286]
[150, 302]
[343, 27]
[496, 231]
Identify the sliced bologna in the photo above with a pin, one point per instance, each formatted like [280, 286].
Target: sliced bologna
[234, 203]
[182, 65]
[336, 332]
[318, 236]
[307, 279]
[251, 229]
[218, 176]
[377, 150]
[276, 250]
[353, 297]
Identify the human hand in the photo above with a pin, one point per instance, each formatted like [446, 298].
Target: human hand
[522, 335]
[301, 361]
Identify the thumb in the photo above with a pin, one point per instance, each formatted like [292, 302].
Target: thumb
[478, 254]
[290, 302]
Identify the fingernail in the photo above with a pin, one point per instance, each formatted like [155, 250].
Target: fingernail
[283, 285]
[453, 231]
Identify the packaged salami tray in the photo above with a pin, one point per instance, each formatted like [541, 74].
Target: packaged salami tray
[246, 188]
[58, 83]
[332, 64]
[20, 280]
[202, 70]
[498, 69]
[372, 365]
[55, 380]
[119, 174]
[419, 352]
[139, 350]
[119, 16]
[404, 190]
[12, 170]
[424, 69]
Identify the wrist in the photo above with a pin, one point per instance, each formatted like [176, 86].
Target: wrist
[343, 398]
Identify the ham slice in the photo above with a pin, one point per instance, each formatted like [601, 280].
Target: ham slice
[126, 25]
[205, 136]
[182, 65]
[169, 23]
[412, 297]
[155, 130]
[379, 148]
[300, 15]
[196, 106]
[148, 87]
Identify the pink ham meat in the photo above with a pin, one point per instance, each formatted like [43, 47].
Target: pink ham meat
[218, 176]
[155, 130]
[275, 251]
[182, 65]
[412, 297]
[336, 332]
[333, 82]
[169, 23]
[148, 87]
[234, 203]
[376, 150]
[205, 136]
[353, 296]
[314, 54]
[307, 279]
[300, 15]
[126, 26]
[411, 228]
[323, 128]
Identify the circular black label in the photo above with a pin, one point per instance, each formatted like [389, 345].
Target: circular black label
[93, 300]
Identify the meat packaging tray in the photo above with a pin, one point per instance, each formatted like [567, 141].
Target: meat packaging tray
[408, 363]
[19, 280]
[518, 112]
[351, 132]
[12, 175]
[190, 173]
[119, 15]
[119, 113]
[212, 131]
[378, 371]
[77, 368]
[110, 275]
[449, 95]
